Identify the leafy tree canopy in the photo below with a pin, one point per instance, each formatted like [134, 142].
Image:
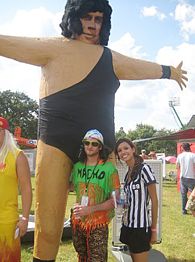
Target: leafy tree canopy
[146, 131]
[20, 110]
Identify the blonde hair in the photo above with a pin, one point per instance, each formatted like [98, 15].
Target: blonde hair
[9, 145]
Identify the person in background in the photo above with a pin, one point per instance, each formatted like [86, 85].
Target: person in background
[143, 154]
[138, 230]
[94, 179]
[186, 164]
[14, 173]
[152, 155]
[80, 77]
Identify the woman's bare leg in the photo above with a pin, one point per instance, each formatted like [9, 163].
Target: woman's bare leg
[140, 257]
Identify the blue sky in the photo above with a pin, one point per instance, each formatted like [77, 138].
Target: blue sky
[160, 31]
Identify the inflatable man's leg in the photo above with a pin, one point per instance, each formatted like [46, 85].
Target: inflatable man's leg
[53, 168]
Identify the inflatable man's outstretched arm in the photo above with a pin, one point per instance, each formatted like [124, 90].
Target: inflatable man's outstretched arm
[35, 51]
[127, 68]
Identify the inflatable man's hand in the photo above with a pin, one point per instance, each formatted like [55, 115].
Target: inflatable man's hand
[179, 75]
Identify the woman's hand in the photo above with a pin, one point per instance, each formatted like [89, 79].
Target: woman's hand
[153, 237]
[22, 225]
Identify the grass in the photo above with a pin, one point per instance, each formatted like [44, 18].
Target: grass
[177, 241]
[177, 245]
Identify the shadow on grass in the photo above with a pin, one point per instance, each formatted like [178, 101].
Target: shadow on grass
[180, 260]
[169, 185]
[28, 248]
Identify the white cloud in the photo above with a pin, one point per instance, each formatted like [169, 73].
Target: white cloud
[184, 52]
[185, 14]
[21, 77]
[148, 101]
[126, 46]
[152, 11]
[36, 22]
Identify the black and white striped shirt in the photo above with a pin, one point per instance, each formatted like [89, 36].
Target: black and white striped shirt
[138, 199]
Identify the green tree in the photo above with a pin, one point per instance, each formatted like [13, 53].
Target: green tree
[120, 134]
[169, 147]
[20, 110]
[144, 132]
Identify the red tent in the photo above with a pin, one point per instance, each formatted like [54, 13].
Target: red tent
[183, 135]
[187, 135]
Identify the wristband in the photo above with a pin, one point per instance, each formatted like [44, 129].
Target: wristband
[24, 219]
[153, 229]
[166, 71]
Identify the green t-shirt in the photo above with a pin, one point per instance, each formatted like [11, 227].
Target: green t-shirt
[97, 182]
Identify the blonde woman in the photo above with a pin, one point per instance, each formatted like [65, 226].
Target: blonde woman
[14, 173]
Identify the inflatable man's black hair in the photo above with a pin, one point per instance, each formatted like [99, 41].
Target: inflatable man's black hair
[76, 9]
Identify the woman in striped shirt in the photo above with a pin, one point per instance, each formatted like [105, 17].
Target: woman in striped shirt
[138, 230]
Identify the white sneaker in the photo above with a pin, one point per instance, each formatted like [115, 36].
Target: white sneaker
[193, 235]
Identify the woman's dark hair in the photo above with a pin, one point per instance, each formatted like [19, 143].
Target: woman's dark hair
[138, 159]
[104, 153]
[128, 141]
[76, 9]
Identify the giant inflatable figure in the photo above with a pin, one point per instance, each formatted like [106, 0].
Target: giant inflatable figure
[80, 77]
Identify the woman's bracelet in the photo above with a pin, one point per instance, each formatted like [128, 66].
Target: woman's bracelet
[24, 218]
[153, 229]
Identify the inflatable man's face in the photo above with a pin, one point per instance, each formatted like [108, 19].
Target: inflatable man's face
[91, 25]
[78, 14]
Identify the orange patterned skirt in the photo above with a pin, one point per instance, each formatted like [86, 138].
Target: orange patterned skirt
[10, 250]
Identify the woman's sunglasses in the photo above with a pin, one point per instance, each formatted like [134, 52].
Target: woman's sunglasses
[93, 143]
